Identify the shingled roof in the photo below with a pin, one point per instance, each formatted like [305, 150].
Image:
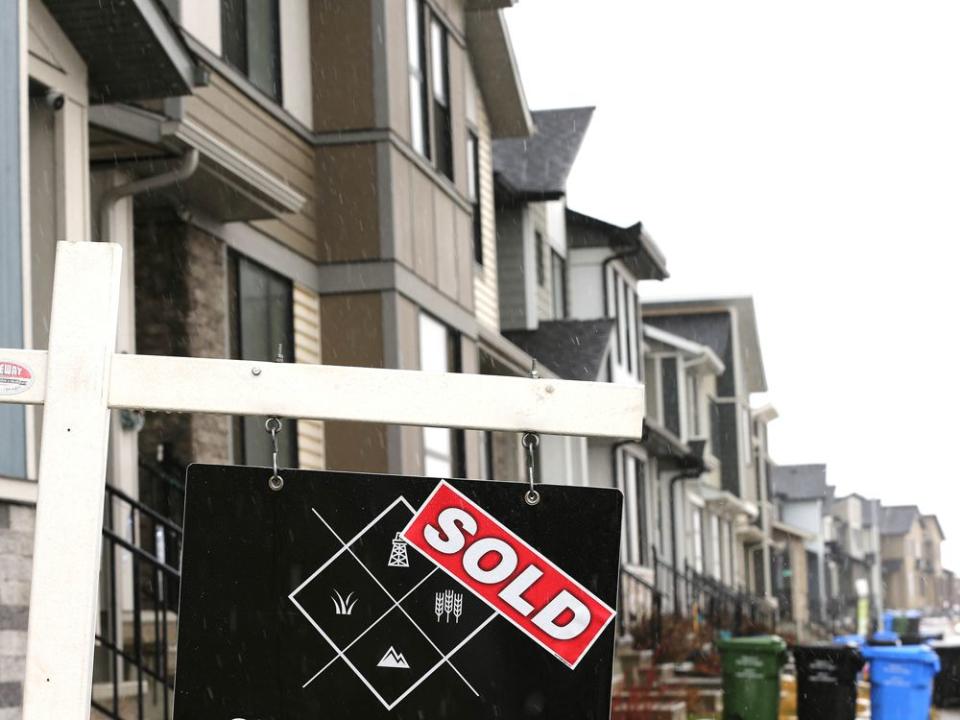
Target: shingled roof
[897, 519]
[801, 482]
[573, 349]
[537, 167]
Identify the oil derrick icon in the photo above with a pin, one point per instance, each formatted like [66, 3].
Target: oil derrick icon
[398, 553]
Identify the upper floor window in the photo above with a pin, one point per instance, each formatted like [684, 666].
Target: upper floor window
[541, 270]
[671, 395]
[416, 68]
[558, 273]
[440, 60]
[473, 191]
[262, 324]
[250, 35]
[693, 405]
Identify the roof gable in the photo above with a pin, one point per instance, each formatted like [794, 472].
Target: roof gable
[537, 167]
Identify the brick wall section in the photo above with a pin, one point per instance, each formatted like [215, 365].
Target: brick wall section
[181, 298]
[16, 557]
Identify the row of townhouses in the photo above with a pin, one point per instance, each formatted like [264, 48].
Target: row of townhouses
[364, 184]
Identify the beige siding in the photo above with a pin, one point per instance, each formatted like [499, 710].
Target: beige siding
[306, 335]
[232, 118]
[347, 205]
[351, 331]
[343, 87]
[431, 231]
[485, 281]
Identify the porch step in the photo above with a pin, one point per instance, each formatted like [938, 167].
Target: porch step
[626, 707]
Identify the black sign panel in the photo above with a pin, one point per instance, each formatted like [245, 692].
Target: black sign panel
[307, 603]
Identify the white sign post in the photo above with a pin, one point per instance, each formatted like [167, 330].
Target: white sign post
[79, 379]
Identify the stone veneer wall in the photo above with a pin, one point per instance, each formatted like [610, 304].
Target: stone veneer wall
[181, 300]
[16, 558]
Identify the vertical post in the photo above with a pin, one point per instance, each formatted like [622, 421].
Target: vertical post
[73, 458]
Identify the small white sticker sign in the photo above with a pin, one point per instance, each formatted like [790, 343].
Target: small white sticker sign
[14, 378]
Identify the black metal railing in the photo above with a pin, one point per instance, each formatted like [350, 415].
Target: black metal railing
[140, 587]
[640, 602]
[689, 592]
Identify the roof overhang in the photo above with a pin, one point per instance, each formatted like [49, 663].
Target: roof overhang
[132, 48]
[646, 261]
[689, 347]
[227, 184]
[495, 67]
[727, 503]
[745, 316]
[502, 357]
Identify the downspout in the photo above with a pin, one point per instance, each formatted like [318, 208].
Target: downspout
[183, 171]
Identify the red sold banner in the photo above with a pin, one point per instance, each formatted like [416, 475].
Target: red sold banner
[510, 576]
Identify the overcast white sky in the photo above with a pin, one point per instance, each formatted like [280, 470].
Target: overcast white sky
[807, 154]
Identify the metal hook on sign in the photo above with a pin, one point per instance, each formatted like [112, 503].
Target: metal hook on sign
[530, 442]
[274, 426]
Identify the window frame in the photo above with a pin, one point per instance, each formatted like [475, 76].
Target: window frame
[417, 74]
[235, 261]
[538, 249]
[558, 289]
[440, 96]
[242, 65]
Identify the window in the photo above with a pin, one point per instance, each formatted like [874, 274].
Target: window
[262, 324]
[541, 270]
[671, 398]
[558, 273]
[250, 33]
[621, 320]
[416, 62]
[443, 454]
[693, 407]
[473, 191]
[630, 319]
[440, 60]
[715, 546]
[696, 526]
[640, 479]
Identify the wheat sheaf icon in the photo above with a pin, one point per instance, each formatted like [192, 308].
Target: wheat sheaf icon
[447, 603]
[343, 605]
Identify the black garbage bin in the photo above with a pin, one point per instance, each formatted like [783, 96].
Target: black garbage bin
[827, 681]
[946, 685]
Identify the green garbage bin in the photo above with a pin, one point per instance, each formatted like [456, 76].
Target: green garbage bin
[751, 677]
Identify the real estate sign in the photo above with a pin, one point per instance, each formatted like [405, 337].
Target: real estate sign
[347, 595]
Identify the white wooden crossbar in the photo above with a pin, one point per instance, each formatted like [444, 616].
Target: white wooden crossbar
[329, 392]
[80, 379]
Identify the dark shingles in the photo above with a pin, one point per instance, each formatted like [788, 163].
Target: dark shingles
[710, 329]
[801, 482]
[897, 519]
[539, 165]
[573, 349]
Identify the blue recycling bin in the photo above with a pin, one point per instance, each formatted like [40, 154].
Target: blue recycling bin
[858, 640]
[901, 681]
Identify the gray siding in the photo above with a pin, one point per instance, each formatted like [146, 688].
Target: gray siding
[13, 454]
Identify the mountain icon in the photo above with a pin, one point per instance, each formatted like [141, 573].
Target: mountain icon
[393, 659]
